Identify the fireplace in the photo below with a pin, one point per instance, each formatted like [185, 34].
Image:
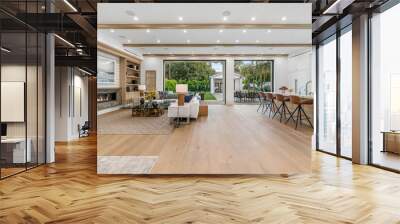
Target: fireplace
[107, 98]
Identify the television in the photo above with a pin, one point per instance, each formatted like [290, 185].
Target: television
[3, 130]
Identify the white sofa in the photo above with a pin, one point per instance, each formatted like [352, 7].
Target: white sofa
[189, 110]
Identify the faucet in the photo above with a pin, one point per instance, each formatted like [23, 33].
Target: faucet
[307, 90]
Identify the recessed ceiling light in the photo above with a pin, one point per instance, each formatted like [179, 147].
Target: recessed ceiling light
[268, 31]
[188, 41]
[43, 7]
[218, 41]
[257, 41]
[180, 18]
[158, 41]
[224, 18]
[221, 31]
[244, 31]
[130, 13]
[135, 18]
[185, 31]
[129, 41]
[283, 18]
[253, 18]
[237, 41]
[148, 31]
[226, 13]
[112, 30]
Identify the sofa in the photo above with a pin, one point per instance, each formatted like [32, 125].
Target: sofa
[189, 110]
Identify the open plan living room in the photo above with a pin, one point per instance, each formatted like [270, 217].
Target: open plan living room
[203, 99]
[199, 111]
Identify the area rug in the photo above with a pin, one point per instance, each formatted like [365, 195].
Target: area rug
[122, 122]
[125, 164]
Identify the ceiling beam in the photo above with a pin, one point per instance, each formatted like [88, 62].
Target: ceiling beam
[117, 52]
[215, 55]
[204, 26]
[216, 45]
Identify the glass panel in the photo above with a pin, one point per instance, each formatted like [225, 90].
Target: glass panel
[385, 84]
[346, 94]
[13, 87]
[250, 77]
[41, 98]
[327, 97]
[204, 77]
[31, 98]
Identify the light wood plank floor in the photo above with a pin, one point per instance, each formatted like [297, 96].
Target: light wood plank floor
[231, 140]
[70, 191]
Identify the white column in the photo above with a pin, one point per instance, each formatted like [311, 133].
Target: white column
[229, 91]
[360, 90]
[50, 99]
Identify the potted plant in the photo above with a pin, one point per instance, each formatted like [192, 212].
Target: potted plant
[202, 95]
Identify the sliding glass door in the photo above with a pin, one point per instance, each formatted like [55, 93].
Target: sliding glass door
[385, 90]
[346, 92]
[326, 129]
[22, 76]
[203, 77]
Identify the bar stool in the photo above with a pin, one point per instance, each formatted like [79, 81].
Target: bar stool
[283, 108]
[262, 99]
[296, 100]
[272, 105]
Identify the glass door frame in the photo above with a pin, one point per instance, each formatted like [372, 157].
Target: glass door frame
[37, 33]
[382, 8]
[272, 61]
[198, 60]
[336, 38]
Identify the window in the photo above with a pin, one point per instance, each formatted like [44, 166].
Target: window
[204, 77]
[327, 96]
[385, 89]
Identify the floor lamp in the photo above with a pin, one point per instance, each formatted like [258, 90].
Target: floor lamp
[181, 90]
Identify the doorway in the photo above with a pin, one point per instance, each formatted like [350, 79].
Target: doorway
[151, 80]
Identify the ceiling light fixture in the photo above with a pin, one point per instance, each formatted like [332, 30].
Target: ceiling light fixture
[237, 41]
[185, 31]
[244, 31]
[218, 41]
[158, 41]
[86, 72]
[112, 30]
[148, 31]
[180, 18]
[188, 41]
[70, 5]
[253, 18]
[5, 50]
[268, 31]
[334, 5]
[129, 41]
[64, 40]
[257, 41]
[224, 18]
[283, 18]
[221, 31]
[135, 18]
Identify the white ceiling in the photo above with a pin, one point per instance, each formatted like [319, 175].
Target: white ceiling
[200, 13]
[207, 36]
[237, 50]
[203, 13]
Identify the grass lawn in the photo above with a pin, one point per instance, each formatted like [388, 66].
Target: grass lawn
[209, 96]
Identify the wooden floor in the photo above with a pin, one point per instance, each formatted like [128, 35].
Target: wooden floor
[70, 191]
[231, 140]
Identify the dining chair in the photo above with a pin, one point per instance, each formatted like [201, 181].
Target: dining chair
[272, 106]
[283, 109]
[299, 111]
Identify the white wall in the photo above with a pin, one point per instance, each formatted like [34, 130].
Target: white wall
[299, 68]
[280, 70]
[70, 81]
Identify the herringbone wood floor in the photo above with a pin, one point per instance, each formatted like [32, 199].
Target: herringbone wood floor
[70, 191]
